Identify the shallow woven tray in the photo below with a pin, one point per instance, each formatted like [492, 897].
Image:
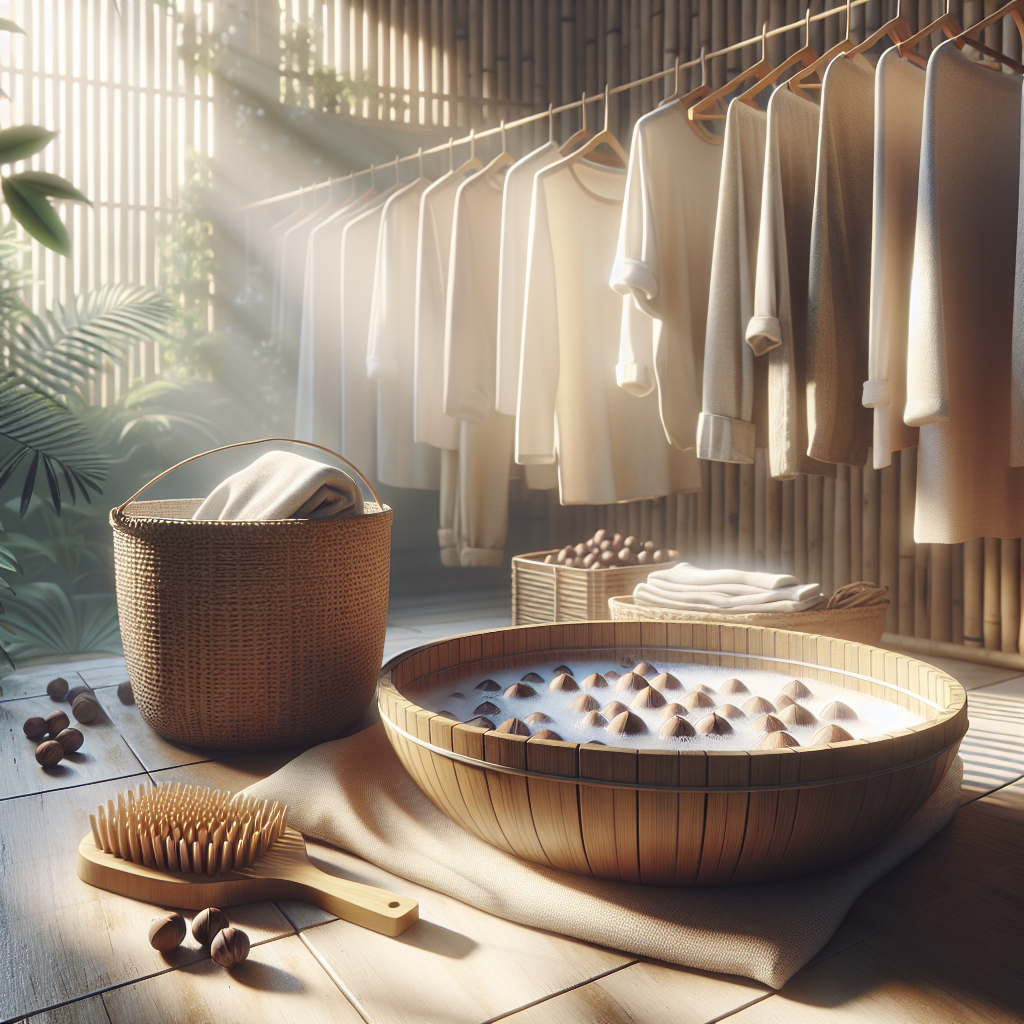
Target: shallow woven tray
[683, 817]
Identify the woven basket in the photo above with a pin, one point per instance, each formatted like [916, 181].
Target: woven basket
[863, 624]
[250, 635]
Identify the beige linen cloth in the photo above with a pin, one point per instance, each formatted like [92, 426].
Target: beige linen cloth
[282, 485]
[355, 794]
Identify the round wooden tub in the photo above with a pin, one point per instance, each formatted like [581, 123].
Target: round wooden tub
[686, 817]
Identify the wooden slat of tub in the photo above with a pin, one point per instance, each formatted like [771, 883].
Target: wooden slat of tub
[555, 805]
[811, 806]
[658, 816]
[417, 723]
[610, 853]
[725, 818]
[469, 740]
[693, 771]
[441, 736]
[762, 814]
[789, 771]
[848, 799]
[510, 796]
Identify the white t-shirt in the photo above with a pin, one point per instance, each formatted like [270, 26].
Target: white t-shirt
[899, 108]
[515, 237]
[610, 445]
[663, 259]
[390, 354]
[437, 211]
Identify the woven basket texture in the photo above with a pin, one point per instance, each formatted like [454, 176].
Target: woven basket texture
[864, 624]
[251, 635]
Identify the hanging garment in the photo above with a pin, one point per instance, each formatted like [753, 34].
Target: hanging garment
[734, 414]
[358, 412]
[1017, 349]
[390, 354]
[839, 279]
[437, 212]
[610, 445]
[664, 257]
[899, 107]
[470, 354]
[274, 253]
[515, 237]
[961, 303]
[318, 394]
[778, 326]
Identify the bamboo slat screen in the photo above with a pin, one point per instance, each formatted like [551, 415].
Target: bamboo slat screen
[115, 81]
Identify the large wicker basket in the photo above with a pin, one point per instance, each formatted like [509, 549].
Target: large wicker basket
[250, 635]
[686, 817]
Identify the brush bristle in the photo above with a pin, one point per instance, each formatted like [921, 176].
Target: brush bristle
[188, 829]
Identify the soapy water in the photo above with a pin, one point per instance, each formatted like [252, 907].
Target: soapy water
[464, 701]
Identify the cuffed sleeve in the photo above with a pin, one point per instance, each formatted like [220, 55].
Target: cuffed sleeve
[875, 394]
[724, 439]
[764, 333]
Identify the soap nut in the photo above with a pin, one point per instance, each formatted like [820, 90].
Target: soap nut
[49, 753]
[125, 693]
[85, 708]
[167, 932]
[57, 688]
[35, 728]
[229, 947]
[70, 740]
[56, 722]
[207, 923]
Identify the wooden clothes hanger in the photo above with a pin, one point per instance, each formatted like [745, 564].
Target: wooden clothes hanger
[897, 29]
[472, 164]
[818, 67]
[709, 108]
[805, 56]
[686, 101]
[618, 156]
[947, 24]
[502, 160]
[579, 137]
[1015, 9]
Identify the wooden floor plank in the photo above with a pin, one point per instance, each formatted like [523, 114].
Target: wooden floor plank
[31, 681]
[646, 993]
[82, 1011]
[280, 982]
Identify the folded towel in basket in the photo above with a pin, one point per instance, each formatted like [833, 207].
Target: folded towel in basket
[281, 485]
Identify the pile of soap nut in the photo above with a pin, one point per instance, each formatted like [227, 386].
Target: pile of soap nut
[210, 928]
[53, 734]
[610, 551]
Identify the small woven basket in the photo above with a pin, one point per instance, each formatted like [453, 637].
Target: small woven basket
[855, 612]
[250, 635]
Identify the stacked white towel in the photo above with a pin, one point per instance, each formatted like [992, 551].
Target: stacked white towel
[687, 588]
[281, 485]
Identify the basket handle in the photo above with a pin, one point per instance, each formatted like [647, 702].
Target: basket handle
[119, 511]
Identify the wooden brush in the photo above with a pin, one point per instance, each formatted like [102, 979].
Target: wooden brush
[192, 848]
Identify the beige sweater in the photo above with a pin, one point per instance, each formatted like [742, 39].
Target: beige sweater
[778, 325]
[839, 278]
[961, 305]
[734, 414]
[899, 107]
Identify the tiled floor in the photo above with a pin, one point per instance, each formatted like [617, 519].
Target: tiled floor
[939, 939]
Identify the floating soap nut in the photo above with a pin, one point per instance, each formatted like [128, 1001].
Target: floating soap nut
[488, 686]
[611, 675]
[514, 727]
[713, 725]
[521, 690]
[830, 734]
[666, 681]
[532, 677]
[837, 711]
[595, 743]
[675, 727]
[630, 681]
[776, 741]
[672, 709]
[537, 718]
[456, 696]
[57, 688]
[487, 708]
[594, 681]
[546, 734]
[481, 723]
[36, 728]
[584, 702]
[796, 690]
[593, 720]
[730, 711]
[645, 668]
[696, 699]
[565, 669]
[611, 710]
[759, 706]
[563, 682]
[648, 697]
[704, 688]
[768, 723]
[782, 701]
[445, 713]
[734, 686]
[627, 724]
[796, 714]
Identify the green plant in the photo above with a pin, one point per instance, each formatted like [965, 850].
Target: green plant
[45, 621]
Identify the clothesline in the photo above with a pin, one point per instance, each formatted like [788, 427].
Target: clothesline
[474, 135]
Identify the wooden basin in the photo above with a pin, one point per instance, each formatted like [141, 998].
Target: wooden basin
[675, 817]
